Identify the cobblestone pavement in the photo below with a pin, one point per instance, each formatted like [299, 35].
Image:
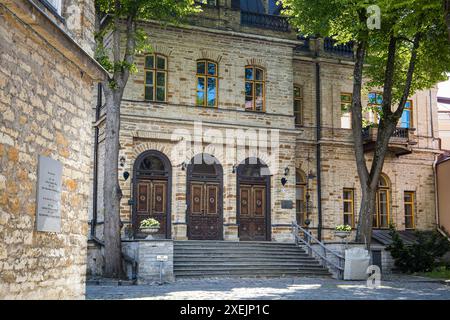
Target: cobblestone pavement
[395, 287]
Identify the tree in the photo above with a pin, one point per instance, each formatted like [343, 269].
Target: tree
[408, 52]
[118, 20]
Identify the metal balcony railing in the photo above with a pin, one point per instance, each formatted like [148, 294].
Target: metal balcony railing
[265, 21]
[345, 50]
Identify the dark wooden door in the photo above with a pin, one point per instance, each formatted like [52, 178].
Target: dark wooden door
[151, 203]
[252, 213]
[204, 211]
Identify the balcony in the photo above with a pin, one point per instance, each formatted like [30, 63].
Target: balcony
[343, 50]
[400, 143]
[265, 21]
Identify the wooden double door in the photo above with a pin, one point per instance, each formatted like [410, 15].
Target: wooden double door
[151, 203]
[204, 208]
[252, 217]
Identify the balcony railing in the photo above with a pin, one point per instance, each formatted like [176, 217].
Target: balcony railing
[400, 142]
[345, 50]
[265, 21]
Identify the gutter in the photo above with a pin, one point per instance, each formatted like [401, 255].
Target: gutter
[318, 151]
[95, 186]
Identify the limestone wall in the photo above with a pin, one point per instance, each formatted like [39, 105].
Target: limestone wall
[45, 104]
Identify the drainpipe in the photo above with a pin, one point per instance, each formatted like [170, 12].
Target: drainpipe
[318, 152]
[436, 194]
[95, 187]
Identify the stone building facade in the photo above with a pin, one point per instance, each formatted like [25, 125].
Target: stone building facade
[46, 80]
[304, 85]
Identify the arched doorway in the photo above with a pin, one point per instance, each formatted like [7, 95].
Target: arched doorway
[204, 198]
[253, 201]
[152, 192]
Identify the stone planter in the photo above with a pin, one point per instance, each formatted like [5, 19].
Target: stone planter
[342, 234]
[149, 231]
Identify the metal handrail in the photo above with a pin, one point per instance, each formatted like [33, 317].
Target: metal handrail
[323, 256]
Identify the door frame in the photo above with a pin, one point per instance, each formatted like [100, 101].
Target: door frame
[263, 181]
[218, 178]
[166, 176]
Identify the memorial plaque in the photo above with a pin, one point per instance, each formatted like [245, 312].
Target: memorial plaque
[287, 204]
[48, 192]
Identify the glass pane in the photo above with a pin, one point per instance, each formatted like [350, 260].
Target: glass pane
[372, 97]
[212, 69]
[149, 77]
[249, 89]
[379, 98]
[297, 105]
[201, 67]
[346, 98]
[408, 222]
[259, 87]
[248, 102]
[200, 98]
[300, 193]
[405, 120]
[347, 207]
[383, 221]
[149, 62]
[212, 92]
[259, 74]
[152, 163]
[161, 79]
[161, 63]
[347, 195]
[200, 84]
[408, 197]
[297, 93]
[249, 73]
[160, 94]
[408, 104]
[374, 223]
[347, 219]
[346, 121]
[408, 209]
[259, 105]
[148, 93]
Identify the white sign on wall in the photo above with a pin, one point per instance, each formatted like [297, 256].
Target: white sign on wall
[48, 206]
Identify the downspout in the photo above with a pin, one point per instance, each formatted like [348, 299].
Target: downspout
[436, 193]
[95, 186]
[318, 152]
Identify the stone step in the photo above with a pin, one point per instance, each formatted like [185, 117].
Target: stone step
[243, 259]
[246, 264]
[271, 274]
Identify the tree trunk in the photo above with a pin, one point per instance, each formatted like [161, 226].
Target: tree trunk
[366, 213]
[111, 190]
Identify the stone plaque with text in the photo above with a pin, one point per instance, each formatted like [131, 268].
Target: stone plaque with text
[48, 206]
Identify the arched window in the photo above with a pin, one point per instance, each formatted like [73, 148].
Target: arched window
[300, 197]
[155, 77]
[383, 204]
[207, 83]
[254, 89]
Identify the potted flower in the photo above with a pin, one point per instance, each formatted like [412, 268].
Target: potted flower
[342, 231]
[149, 226]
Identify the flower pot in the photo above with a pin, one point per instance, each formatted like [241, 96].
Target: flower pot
[149, 231]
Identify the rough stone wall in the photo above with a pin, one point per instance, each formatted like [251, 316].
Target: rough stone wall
[44, 109]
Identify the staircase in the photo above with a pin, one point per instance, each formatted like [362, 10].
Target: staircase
[195, 259]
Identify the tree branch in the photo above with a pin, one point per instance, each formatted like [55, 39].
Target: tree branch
[409, 76]
[389, 77]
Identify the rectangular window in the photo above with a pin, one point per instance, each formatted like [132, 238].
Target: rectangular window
[406, 121]
[409, 198]
[346, 115]
[348, 204]
[155, 70]
[375, 102]
[298, 106]
[254, 89]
